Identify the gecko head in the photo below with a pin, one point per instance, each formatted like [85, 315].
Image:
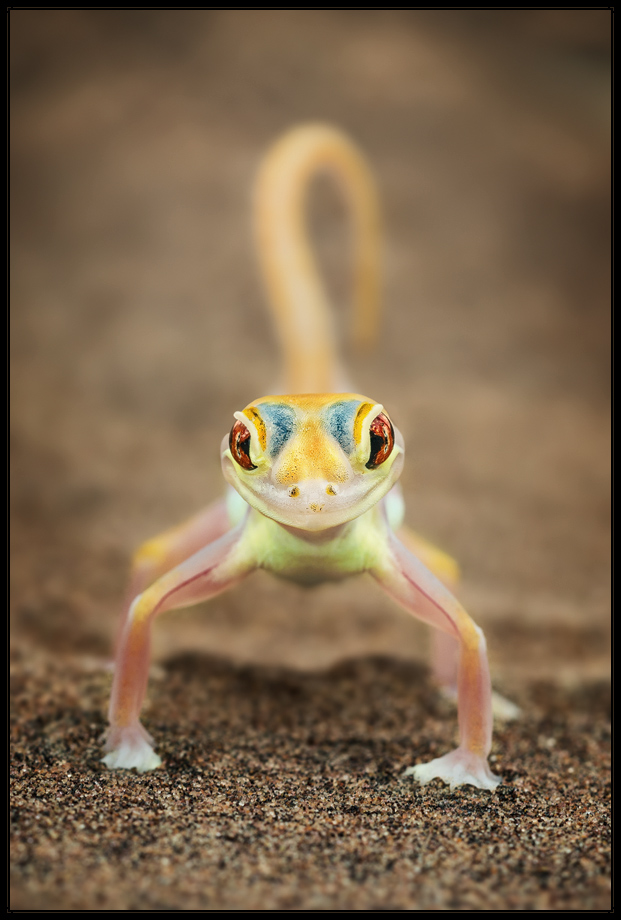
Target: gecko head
[312, 461]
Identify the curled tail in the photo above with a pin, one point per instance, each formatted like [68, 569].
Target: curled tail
[295, 291]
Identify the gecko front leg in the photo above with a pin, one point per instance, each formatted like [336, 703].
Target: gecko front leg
[445, 646]
[162, 553]
[203, 575]
[409, 582]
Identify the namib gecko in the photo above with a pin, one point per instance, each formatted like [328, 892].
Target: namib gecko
[312, 476]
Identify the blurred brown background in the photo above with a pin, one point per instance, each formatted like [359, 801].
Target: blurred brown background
[138, 325]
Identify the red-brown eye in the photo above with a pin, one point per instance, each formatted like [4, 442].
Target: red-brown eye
[382, 437]
[239, 442]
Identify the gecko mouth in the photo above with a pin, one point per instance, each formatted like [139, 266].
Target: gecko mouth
[319, 504]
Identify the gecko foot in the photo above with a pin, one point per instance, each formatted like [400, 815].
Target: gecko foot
[459, 768]
[130, 747]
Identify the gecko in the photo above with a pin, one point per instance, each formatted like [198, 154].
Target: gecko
[312, 476]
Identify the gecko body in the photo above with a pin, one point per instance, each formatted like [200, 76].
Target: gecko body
[313, 493]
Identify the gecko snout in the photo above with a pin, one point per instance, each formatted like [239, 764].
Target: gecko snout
[314, 494]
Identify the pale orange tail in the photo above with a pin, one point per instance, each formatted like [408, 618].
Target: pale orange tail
[294, 288]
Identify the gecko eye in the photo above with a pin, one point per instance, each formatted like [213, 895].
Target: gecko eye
[239, 443]
[382, 438]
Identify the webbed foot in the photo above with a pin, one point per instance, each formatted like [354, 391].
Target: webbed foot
[459, 768]
[130, 747]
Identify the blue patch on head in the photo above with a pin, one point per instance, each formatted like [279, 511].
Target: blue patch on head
[281, 420]
[340, 422]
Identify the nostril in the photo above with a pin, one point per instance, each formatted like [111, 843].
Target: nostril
[294, 491]
[330, 490]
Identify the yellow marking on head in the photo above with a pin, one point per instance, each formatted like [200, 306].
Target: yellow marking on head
[310, 401]
[311, 454]
[251, 413]
[361, 414]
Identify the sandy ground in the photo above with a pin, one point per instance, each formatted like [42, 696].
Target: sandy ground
[285, 718]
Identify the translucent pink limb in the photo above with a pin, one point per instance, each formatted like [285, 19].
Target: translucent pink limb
[406, 579]
[445, 661]
[444, 647]
[162, 553]
[207, 573]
